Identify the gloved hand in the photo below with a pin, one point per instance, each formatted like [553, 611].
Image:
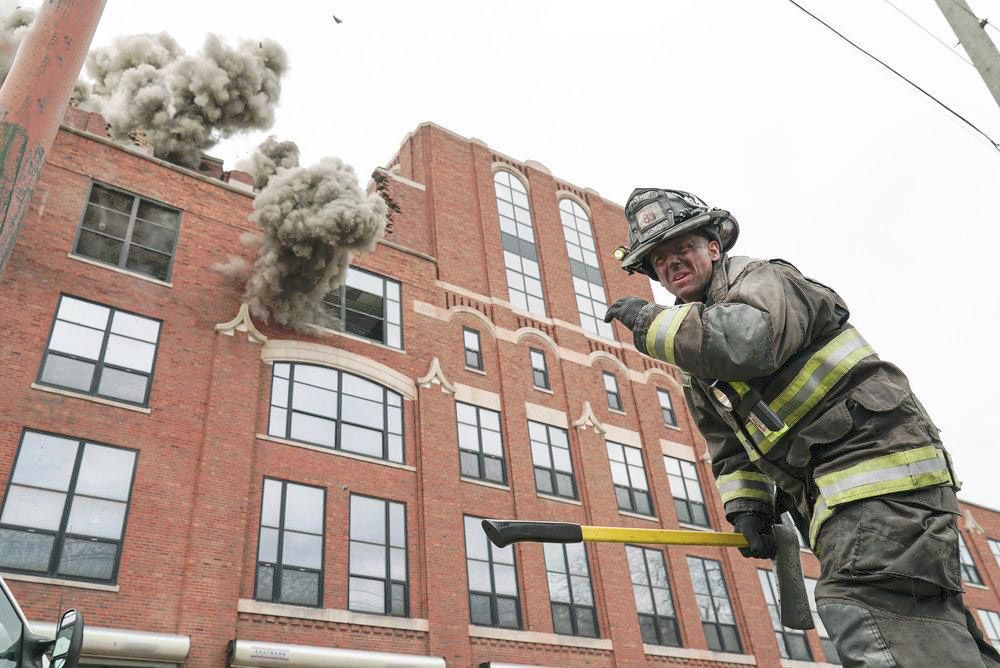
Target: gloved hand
[626, 311]
[759, 532]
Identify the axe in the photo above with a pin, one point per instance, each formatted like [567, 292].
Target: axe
[793, 601]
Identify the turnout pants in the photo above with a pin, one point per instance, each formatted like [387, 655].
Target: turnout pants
[890, 591]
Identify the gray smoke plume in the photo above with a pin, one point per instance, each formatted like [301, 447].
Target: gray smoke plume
[183, 103]
[270, 156]
[14, 25]
[313, 220]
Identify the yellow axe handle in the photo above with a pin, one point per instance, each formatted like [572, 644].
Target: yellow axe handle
[661, 536]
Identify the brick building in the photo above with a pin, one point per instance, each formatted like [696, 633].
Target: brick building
[214, 491]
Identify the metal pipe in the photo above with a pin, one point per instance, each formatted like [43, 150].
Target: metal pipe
[33, 101]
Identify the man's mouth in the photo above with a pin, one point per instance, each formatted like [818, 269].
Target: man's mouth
[679, 276]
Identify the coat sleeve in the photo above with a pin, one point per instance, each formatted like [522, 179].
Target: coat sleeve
[740, 483]
[768, 316]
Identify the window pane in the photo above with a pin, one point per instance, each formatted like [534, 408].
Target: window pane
[109, 223]
[76, 340]
[586, 622]
[300, 587]
[648, 628]
[581, 590]
[543, 481]
[363, 412]
[111, 199]
[359, 387]
[362, 441]
[397, 563]
[302, 549]
[561, 619]
[368, 559]
[153, 236]
[493, 469]
[564, 485]
[559, 588]
[129, 353]
[88, 559]
[83, 313]
[271, 503]
[96, 517]
[314, 375]
[148, 262]
[24, 550]
[491, 443]
[45, 461]
[469, 464]
[397, 525]
[265, 583]
[33, 508]
[105, 472]
[507, 613]
[398, 599]
[364, 281]
[479, 610]
[98, 247]
[69, 373]
[268, 549]
[313, 399]
[479, 576]
[313, 429]
[123, 385]
[366, 595]
[540, 454]
[157, 214]
[367, 519]
[304, 508]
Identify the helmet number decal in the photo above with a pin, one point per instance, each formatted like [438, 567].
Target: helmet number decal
[649, 214]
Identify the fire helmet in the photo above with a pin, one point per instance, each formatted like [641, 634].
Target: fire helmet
[655, 215]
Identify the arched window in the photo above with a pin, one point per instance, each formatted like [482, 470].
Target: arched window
[520, 256]
[337, 410]
[591, 300]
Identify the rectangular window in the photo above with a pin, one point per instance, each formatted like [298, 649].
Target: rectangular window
[686, 490]
[335, 409]
[713, 605]
[127, 231]
[667, 408]
[66, 508]
[611, 389]
[520, 254]
[473, 352]
[791, 643]
[969, 571]
[378, 557]
[995, 549]
[493, 597]
[991, 626]
[480, 443]
[367, 305]
[539, 372]
[101, 351]
[570, 592]
[553, 465]
[290, 548]
[657, 619]
[629, 477]
[829, 650]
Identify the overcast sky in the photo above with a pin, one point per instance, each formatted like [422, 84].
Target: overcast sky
[827, 159]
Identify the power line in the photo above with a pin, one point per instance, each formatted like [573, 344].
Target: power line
[888, 67]
[938, 39]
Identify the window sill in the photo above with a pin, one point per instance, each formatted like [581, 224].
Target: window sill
[109, 267]
[326, 331]
[550, 497]
[694, 527]
[700, 654]
[338, 453]
[671, 427]
[648, 518]
[539, 638]
[975, 586]
[494, 485]
[543, 389]
[616, 411]
[88, 397]
[58, 581]
[473, 369]
[250, 606]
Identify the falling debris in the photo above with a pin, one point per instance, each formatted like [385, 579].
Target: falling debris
[336, 19]
[270, 156]
[184, 103]
[15, 22]
[313, 220]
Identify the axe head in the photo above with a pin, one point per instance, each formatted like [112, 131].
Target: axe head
[793, 602]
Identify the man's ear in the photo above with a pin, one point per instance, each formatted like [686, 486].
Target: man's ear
[714, 250]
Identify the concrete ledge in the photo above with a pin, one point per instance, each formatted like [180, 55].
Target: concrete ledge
[647, 518]
[539, 638]
[253, 607]
[701, 655]
[474, 395]
[622, 435]
[58, 582]
[678, 450]
[549, 497]
[484, 483]
[546, 415]
[90, 397]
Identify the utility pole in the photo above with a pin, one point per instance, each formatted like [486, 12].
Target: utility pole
[971, 32]
[33, 99]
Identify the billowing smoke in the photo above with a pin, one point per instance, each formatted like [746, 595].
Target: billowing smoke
[184, 103]
[14, 24]
[270, 156]
[313, 220]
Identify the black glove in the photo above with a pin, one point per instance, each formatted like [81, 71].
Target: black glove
[759, 532]
[626, 311]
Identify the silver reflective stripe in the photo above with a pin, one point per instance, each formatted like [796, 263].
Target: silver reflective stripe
[826, 366]
[735, 485]
[908, 470]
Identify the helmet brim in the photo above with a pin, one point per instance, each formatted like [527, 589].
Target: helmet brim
[726, 226]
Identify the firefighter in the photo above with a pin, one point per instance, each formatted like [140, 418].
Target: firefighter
[801, 415]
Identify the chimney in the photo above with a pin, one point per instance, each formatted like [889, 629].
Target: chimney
[239, 179]
[210, 166]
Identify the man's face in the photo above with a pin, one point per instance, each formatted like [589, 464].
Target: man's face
[683, 265]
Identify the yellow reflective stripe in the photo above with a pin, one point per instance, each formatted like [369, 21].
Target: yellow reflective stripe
[744, 485]
[926, 466]
[663, 329]
[806, 372]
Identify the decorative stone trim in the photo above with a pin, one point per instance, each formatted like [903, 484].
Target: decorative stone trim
[600, 354]
[436, 375]
[678, 450]
[549, 416]
[538, 638]
[701, 654]
[622, 435]
[970, 522]
[284, 350]
[477, 396]
[588, 419]
[242, 323]
[253, 607]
